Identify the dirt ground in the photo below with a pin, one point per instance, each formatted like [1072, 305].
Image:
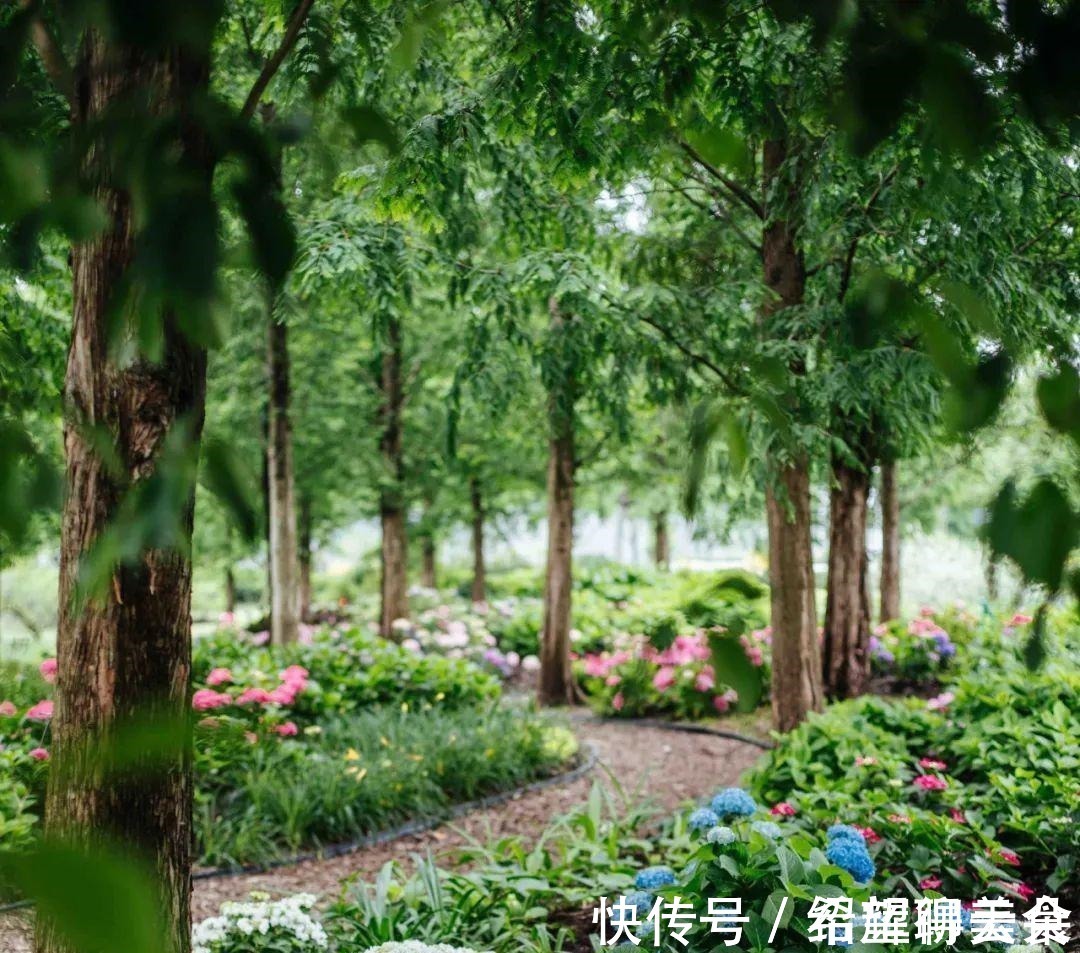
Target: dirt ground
[648, 763]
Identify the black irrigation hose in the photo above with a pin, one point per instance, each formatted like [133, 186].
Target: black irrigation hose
[381, 837]
[688, 727]
[491, 800]
[410, 827]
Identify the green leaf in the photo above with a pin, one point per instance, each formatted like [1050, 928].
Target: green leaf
[99, 902]
[735, 669]
[225, 477]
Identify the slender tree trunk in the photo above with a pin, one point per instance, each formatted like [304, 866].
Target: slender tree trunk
[230, 590]
[846, 662]
[479, 576]
[992, 591]
[266, 505]
[305, 559]
[796, 666]
[556, 678]
[428, 573]
[284, 560]
[395, 599]
[125, 655]
[556, 683]
[661, 540]
[890, 543]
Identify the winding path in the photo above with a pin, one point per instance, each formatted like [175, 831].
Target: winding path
[647, 763]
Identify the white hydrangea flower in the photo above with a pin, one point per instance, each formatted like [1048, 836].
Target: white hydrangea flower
[415, 946]
[287, 919]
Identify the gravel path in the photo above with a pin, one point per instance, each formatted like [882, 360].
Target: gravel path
[666, 767]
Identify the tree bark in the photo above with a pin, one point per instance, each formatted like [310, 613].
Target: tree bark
[230, 590]
[479, 576]
[284, 560]
[126, 654]
[556, 683]
[661, 540]
[428, 574]
[796, 671]
[846, 660]
[796, 666]
[304, 557]
[394, 554]
[890, 543]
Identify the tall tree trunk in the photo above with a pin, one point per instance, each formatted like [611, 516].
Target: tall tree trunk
[796, 672]
[230, 590]
[556, 683]
[846, 660]
[890, 543]
[428, 574]
[284, 561]
[796, 667]
[556, 678]
[125, 655]
[479, 575]
[395, 599]
[304, 556]
[661, 540]
[266, 505]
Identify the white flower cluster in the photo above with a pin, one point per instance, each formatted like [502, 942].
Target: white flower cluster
[281, 919]
[415, 946]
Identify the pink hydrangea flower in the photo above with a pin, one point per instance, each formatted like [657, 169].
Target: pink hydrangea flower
[596, 666]
[783, 809]
[206, 699]
[613, 680]
[8, 708]
[869, 834]
[863, 761]
[254, 696]
[48, 670]
[930, 782]
[286, 729]
[227, 619]
[664, 678]
[219, 676]
[42, 711]
[932, 764]
[705, 682]
[618, 701]
[941, 702]
[957, 815]
[930, 883]
[723, 702]
[39, 754]
[260, 638]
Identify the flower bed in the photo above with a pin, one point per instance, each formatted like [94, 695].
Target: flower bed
[363, 735]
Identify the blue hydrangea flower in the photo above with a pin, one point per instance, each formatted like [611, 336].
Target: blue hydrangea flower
[767, 829]
[858, 924]
[965, 918]
[702, 819]
[733, 801]
[653, 878]
[842, 831]
[640, 900]
[852, 856]
[720, 835]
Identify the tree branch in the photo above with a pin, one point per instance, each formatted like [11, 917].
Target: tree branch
[718, 211]
[853, 245]
[52, 56]
[272, 65]
[739, 191]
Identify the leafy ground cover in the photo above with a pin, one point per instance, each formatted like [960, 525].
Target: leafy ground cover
[317, 744]
[968, 794]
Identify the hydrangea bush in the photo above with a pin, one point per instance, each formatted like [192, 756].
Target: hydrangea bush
[262, 925]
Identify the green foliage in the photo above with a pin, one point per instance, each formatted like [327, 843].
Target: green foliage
[257, 800]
